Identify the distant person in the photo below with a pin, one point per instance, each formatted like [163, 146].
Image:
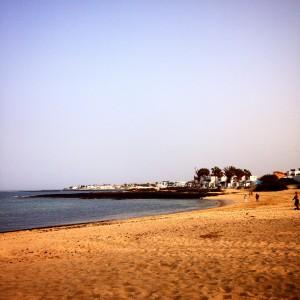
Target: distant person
[245, 198]
[256, 197]
[296, 201]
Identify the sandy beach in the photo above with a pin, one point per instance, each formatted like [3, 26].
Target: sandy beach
[240, 250]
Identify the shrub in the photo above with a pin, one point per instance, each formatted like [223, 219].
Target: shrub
[270, 183]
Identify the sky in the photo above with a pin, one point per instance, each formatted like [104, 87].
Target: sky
[136, 91]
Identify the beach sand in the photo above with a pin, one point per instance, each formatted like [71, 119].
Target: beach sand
[241, 250]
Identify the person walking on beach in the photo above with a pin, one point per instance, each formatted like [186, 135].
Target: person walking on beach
[296, 201]
[256, 197]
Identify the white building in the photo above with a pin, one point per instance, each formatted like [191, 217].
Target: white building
[234, 183]
[294, 174]
[166, 184]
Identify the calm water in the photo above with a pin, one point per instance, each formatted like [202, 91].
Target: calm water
[17, 212]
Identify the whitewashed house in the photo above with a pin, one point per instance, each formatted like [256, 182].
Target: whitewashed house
[294, 174]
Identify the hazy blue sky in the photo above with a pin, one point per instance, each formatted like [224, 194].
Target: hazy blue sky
[123, 91]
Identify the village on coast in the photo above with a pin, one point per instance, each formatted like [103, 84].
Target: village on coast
[204, 178]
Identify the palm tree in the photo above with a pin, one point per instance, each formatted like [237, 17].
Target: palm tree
[217, 172]
[229, 172]
[247, 174]
[239, 173]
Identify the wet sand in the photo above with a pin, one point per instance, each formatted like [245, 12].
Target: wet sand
[240, 250]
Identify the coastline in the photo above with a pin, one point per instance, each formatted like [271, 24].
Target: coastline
[113, 221]
[123, 195]
[238, 250]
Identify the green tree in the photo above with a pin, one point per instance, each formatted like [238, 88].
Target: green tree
[239, 173]
[200, 173]
[247, 174]
[229, 172]
[270, 182]
[216, 171]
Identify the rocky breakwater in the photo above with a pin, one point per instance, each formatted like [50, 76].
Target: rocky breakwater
[126, 195]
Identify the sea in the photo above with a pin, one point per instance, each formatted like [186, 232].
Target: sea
[19, 212]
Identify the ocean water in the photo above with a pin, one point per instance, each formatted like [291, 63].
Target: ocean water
[18, 212]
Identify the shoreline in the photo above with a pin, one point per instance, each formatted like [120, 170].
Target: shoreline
[238, 250]
[220, 203]
[124, 195]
